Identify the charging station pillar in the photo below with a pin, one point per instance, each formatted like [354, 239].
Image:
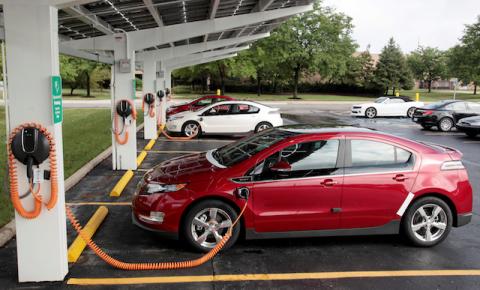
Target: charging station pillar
[160, 85]
[31, 38]
[148, 82]
[124, 157]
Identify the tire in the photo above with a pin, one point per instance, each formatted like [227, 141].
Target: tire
[371, 112]
[263, 126]
[415, 226]
[471, 134]
[445, 124]
[410, 112]
[202, 212]
[426, 127]
[188, 127]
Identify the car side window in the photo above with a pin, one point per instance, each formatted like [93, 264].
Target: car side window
[204, 102]
[318, 158]
[457, 106]
[368, 156]
[396, 101]
[218, 110]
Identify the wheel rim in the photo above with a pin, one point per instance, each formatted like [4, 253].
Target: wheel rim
[191, 129]
[371, 113]
[429, 222]
[410, 112]
[263, 127]
[209, 226]
[446, 124]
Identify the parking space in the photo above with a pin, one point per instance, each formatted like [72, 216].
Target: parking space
[341, 262]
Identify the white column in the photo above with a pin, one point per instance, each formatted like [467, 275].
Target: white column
[149, 79]
[168, 85]
[124, 156]
[31, 33]
[160, 85]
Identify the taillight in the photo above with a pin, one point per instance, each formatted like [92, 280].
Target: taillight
[426, 113]
[452, 165]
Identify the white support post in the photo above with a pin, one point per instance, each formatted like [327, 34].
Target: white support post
[148, 81]
[31, 31]
[124, 157]
[160, 85]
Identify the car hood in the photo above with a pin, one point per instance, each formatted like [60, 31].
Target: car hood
[472, 120]
[183, 169]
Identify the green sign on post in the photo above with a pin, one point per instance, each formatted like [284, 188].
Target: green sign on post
[57, 107]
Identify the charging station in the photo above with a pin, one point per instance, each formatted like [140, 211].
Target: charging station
[35, 34]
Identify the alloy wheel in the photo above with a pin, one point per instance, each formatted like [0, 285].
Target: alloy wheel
[209, 226]
[371, 113]
[191, 129]
[446, 124]
[263, 127]
[410, 112]
[429, 222]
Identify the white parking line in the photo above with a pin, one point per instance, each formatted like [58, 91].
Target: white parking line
[471, 142]
[196, 140]
[471, 163]
[444, 134]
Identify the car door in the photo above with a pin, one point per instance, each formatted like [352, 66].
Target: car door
[394, 107]
[244, 118]
[216, 119]
[378, 179]
[305, 198]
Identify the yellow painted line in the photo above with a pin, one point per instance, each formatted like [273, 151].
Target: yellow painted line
[122, 183]
[269, 277]
[149, 145]
[172, 152]
[141, 157]
[106, 203]
[78, 245]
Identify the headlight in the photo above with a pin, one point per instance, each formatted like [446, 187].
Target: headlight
[159, 188]
[173, 118]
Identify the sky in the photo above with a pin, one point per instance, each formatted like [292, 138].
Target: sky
[435, 23]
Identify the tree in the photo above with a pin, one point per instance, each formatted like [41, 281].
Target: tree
[76, 72]
[360, 71]
[392, 71]
[464, 59]
[427, 64]
[316, 41]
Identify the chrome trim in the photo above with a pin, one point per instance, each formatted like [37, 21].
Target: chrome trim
[327, 176]
[213, 161]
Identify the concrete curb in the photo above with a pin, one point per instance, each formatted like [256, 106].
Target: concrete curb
[7, 232]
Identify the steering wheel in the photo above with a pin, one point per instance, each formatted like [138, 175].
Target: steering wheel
[287, 151]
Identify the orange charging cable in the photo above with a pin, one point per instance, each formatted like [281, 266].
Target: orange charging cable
[152, 266]
[151, 108]
[12, 171]
[125, 126]
[169, 137]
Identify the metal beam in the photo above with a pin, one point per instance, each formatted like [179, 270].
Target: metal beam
[212, 14]
[262, 5]
[84, 15]
[156, 36]
[154, 12]
[85, 55]
[167, 53]
[203, 55]
[201, 61]
[60, 4]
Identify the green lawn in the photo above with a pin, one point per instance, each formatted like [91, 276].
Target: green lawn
[424, 96]
[80, 94]
[86, 133]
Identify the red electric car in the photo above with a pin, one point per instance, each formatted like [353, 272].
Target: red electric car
[197, 104]
[306, 181]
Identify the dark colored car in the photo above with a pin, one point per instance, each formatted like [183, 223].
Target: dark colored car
[470, 126]
[307, 181]
[444, 115]
[197, 104]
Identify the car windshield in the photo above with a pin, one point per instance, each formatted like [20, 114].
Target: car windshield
[380, 100]
[236, 152]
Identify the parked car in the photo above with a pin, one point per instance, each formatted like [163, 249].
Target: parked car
[197, 104]
[445, 114]
[306, 181]
[470, 126]
[387, 106]
[229, 117]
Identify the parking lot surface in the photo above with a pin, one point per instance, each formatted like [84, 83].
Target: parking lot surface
[318, 262]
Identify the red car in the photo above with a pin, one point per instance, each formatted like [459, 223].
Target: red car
[197, 104]
[305, 181]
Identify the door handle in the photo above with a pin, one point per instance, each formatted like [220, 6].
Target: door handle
[400, 177]
[329, 182]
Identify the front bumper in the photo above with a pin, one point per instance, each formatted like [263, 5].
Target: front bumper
[467, 128]
[357, 112]
[162, 233]
[463, 219]
[174, 127]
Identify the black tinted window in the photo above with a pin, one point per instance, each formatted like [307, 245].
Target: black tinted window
[308, 159]
[372, 156]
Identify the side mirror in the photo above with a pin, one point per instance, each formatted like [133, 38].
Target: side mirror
[281, 166]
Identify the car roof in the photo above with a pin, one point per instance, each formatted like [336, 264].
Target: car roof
[318, 129]
[240, 102]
